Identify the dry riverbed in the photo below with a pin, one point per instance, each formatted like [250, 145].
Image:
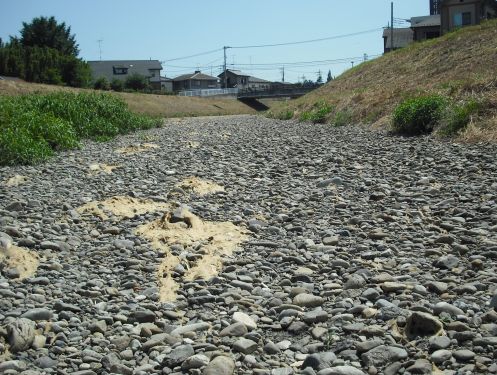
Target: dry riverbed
[243, 245]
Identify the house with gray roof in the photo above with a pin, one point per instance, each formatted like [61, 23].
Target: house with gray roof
[425, 27]
[243, 81]
[195, 81]
[122, 69]
[402, 37]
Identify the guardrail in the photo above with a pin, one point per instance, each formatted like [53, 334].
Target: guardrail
[208, 92]
[276, 92]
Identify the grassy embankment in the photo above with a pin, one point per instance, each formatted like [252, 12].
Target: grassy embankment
[460, 68]
[38, 120]
[148, 104]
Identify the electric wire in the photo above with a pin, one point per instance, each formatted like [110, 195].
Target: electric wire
[307, 41]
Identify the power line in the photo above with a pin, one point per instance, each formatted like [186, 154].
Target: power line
[197, 54]
[310, 40]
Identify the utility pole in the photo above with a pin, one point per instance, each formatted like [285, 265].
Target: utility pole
[100, 47]
[283, 74]
[391, 28]
[225, 78]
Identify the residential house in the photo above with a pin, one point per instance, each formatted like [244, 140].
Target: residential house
[234, 78]
[195, 81]
[122, 69]
[425, 27]
[459, 13]
[242, 81]
[255, 83]
[166, 84]
[402, 37]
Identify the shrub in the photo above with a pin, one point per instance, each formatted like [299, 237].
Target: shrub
[34, 126]
[418, 115]
[136, 82]
[117, 85]
[342, 118]
[101, 84]
[317, 114]
[457, 117]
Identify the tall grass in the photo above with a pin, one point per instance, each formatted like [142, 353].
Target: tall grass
[34, 126]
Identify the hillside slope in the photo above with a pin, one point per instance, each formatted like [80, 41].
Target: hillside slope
[154, 105]
[461, 66]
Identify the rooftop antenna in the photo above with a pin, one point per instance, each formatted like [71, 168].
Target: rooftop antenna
[100, 47]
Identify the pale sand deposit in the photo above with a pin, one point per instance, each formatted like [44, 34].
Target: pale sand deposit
[143, 147]
[96, 168]
[123, 207]
[199, 186]
[15, 181]
[216, 240]
[25, 261]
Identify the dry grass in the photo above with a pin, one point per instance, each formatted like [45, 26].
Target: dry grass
[460, 65]
[155, 105]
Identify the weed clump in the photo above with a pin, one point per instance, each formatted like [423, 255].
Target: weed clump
[318, 113]
[457, 117]
[419, 115]
[34, 126]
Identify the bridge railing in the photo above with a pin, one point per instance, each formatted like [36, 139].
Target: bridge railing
[208, 92]
[278, 91]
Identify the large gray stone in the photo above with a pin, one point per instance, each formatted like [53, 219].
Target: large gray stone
[308, 300]
[21, 334]
[221, 365]
[383, 355]
[319, 361]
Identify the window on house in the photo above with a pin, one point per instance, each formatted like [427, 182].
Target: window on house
[119, 70]
[462, 19]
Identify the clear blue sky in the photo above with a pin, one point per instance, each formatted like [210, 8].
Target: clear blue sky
[164, 30]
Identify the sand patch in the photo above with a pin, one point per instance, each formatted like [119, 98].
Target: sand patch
[143, 147]
[16, 181]
[26, 262]
[192, 144]
[214, 240]
[199, 186]
[96, 169]
[124, 207]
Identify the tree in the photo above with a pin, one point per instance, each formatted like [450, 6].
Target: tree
[320, 78]
[330, 77]
[117, 85]
[46, 32]
[101, 83]
[136, 82]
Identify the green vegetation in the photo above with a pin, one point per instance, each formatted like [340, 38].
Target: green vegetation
[46, 52]
[342, 118]
[136, 82]
[418, 115]
[317, 114]
[422, 115]
[117, 85]
[34, 126]
[457, 117]
[102, 83]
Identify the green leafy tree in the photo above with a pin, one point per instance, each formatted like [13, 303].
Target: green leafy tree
[329, 77]
[46, 32]
[136, 82]
[319, 80]
[47, 57]
[101, 83]
[117, 85]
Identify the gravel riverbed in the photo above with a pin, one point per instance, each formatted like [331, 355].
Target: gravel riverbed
[297, 249]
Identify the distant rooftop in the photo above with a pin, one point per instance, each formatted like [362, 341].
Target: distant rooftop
[426, 21]
[401, 37]
[196, 75]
